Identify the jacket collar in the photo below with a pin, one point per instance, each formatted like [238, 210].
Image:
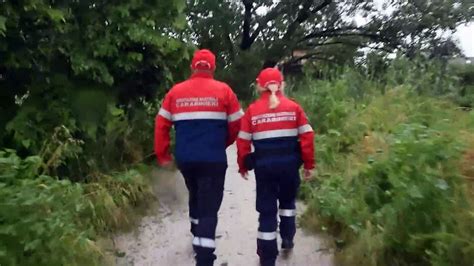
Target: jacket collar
[203, 74]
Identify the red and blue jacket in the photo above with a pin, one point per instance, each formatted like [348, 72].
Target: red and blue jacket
[281, 135]
[206, 116]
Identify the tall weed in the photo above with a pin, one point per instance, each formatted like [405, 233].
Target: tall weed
[393, 182]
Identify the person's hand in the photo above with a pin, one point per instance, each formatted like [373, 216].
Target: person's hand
[308, 174]
[244, 174]
[168, 165]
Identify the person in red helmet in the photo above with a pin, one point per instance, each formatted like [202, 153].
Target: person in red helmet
[206, 116]
[283, 139]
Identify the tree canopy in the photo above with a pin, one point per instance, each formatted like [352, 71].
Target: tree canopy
[278, 27]
[74, 58]
[94, 53]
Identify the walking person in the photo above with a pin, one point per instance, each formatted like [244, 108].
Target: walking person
[206, 116]
[283, 140]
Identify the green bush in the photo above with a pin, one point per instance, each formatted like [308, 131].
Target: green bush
[327, 104]
[47, 221]
[406, 202]
[390, 187]
[78, 86]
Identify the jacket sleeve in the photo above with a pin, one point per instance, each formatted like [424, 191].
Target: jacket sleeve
[234, 115]
[306, 137]
[244, 140]
[163, 125]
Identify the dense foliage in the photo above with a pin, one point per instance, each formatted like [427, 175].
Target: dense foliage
[88, 66]
[395, 167]
[264, 32]
[47, 221]
[81, 81]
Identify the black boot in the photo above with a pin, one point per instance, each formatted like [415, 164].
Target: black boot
[267, 262]
[287, 244]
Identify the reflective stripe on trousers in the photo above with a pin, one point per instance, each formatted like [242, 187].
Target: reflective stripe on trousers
[193, 220]
[287, 212]
[267, 235]
[204, 242]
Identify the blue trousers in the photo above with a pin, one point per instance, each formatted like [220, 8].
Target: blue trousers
[277, 187]
[205, 183]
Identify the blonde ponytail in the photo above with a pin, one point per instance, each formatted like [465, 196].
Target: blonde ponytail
[274, 101]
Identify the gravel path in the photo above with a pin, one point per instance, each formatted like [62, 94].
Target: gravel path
[164, 239]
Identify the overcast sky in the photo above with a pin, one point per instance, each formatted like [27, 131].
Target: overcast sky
[465, 36]
[464, 33]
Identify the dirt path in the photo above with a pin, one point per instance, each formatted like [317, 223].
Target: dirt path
[164, 238]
